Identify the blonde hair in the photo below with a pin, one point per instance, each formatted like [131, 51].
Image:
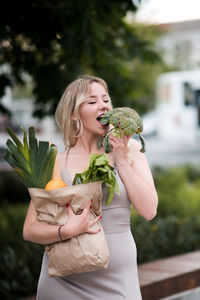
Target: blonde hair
[74, 95]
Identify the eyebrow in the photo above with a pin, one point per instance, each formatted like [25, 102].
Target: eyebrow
[93, 96]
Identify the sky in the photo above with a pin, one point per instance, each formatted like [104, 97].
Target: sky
[164, 11]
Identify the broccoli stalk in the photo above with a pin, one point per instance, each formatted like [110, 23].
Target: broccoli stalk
[124, 118]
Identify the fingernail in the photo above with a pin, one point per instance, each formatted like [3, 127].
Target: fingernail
[99, 229]
[91, 200]
[90, 206]
[100, 217]
[67, 205]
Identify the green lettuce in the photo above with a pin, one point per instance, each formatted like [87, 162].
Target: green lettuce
[99, 169]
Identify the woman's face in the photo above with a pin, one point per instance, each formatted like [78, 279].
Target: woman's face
[97, 103]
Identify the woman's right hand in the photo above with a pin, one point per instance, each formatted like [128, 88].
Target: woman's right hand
[77, 224]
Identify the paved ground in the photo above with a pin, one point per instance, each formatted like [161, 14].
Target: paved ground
[172, 153]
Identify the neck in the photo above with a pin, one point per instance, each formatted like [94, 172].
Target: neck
[87, 144]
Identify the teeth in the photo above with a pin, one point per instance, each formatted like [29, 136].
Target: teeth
[99, 118]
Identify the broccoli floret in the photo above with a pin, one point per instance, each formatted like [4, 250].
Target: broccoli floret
[125, 118]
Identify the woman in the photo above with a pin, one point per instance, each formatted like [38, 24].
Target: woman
[82, 104]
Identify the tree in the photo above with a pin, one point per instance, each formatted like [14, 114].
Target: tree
[145, 72]
[56, 40]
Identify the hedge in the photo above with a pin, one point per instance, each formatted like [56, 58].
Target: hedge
[176, 227]
[20, 261]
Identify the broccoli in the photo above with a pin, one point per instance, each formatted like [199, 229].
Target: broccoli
[128, 120]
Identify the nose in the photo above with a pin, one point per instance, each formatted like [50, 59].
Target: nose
[104, 105]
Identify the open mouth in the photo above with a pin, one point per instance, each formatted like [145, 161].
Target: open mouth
[99, 120]
[99, 117]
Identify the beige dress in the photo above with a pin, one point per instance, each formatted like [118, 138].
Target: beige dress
[120, 280]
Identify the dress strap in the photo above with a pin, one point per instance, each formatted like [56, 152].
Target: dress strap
[66, 157]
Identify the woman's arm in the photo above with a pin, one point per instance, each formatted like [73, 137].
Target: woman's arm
[42, 233]
[136, 177]
[38, 232]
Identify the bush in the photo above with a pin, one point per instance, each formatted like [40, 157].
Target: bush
[178, 191]
[164, 237]
[176, 228]
[20, 261]
[12, 190]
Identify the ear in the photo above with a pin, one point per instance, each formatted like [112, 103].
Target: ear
[73, 117]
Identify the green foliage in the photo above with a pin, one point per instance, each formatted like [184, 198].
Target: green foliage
[12, 190]
[178, 191]
[99, 169]
[33, 161]
[54, 42]
[145, 72]
[19, 260]
[165, 236]
[175, 230]
[145, 75]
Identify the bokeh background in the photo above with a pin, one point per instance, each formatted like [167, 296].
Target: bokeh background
[149, 53]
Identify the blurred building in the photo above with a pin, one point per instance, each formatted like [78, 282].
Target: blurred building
[22, 115]
[180, 44]
[177, 112]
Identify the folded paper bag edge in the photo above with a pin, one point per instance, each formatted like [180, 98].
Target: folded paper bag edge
[71, 194]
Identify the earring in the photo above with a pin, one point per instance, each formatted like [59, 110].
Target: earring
[76, 127]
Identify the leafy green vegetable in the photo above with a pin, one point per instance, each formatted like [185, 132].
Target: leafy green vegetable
[99, 169]
[125, 118]
[34, 164]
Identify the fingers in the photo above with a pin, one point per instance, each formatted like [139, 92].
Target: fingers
[95, 221]
[94, 231]
[86, 210]
[92, 223]
[123, 138]
[119, 142]
[83, 222]
[69, 210]
[122, 133]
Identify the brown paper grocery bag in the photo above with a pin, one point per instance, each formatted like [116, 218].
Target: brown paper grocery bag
[85, 252]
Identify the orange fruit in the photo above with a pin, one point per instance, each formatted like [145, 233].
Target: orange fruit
[55, 184]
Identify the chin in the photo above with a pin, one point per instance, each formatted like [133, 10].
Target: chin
[105, 130]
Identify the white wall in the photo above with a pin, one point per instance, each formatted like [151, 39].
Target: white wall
[181, 44]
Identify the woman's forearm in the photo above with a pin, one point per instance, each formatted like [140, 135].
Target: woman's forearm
[41, 233]
[38, 232]
[141, 193]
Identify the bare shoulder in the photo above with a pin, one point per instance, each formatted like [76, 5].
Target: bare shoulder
[134, 144]
[60, 160]
[134, 148]
[139, 160]
[60, 154]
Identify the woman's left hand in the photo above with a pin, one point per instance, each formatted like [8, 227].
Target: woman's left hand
[119, 147]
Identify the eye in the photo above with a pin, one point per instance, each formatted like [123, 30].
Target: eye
[92, 102]
[107, 100]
